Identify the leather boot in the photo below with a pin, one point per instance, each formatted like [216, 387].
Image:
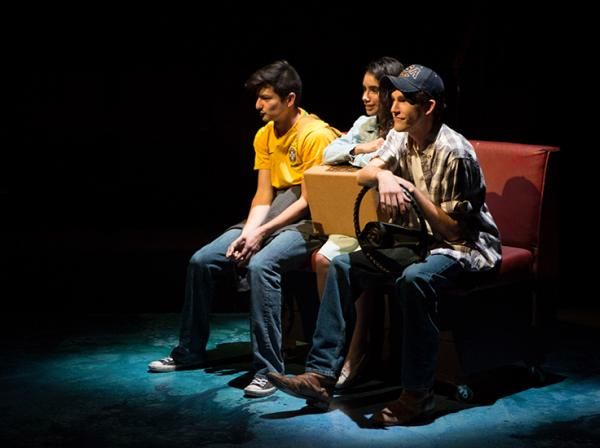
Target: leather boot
[316, 389]
[411, 406]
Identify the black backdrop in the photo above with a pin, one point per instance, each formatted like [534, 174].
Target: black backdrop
[127, 135]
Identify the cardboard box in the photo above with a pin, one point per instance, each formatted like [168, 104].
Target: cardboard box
[332, 191]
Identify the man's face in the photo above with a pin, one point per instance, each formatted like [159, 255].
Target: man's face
[269, 105]
[405, 114]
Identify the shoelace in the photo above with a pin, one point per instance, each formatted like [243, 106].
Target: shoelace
[167, 361]
[260, 382]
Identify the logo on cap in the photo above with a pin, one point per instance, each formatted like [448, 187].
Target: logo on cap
[411, 72]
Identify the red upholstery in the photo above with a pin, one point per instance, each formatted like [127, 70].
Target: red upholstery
[516, 265]
[515, 176]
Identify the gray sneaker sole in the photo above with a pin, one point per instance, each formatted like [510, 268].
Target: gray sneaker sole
[166, 369]
[262, 393]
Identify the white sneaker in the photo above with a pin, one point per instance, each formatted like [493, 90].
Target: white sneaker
[259, 387]
[168, 364]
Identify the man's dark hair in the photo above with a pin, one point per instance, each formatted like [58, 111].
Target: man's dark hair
[280, 76]
[379, 68]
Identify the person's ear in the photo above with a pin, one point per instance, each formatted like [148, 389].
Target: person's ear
[431, 106]
[291, 99]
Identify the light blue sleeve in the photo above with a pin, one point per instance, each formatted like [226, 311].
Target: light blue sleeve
[338, 151]
[362, 159]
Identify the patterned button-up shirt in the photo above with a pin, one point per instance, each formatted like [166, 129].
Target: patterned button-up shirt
[447, 171]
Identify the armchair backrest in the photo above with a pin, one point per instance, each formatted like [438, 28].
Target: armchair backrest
[516, 176]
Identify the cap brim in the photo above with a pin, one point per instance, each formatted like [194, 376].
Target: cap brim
[402, 84]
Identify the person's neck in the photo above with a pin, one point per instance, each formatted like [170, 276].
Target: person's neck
[286, 122]
[423, 136]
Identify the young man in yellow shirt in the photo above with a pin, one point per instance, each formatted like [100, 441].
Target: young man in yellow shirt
[271, 240]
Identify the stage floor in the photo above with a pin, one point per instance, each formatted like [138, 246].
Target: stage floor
[82, 381]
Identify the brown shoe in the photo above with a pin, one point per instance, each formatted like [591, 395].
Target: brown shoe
[315, 388]
[411, 406]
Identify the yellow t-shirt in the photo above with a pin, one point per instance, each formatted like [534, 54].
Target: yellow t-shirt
[289, 155]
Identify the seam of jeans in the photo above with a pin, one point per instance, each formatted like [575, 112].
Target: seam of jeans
[327, 373]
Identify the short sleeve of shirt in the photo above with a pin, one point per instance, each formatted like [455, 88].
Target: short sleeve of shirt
[462, 189]
[262, 161]
[391, 150]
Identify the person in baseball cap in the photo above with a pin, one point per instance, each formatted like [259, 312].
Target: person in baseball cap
[439, 167]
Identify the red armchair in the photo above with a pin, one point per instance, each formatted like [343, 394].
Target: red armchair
[500, 320]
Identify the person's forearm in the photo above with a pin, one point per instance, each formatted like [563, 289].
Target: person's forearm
[256, 216]
[368, 176]
[440, 222]
[293, 213]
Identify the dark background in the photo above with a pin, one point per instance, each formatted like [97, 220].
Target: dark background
[127, 135]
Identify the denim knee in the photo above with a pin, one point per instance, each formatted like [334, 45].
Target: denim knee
[412, 274]
[413, 286]
[202, 257]
[340, 262]
[260, 272]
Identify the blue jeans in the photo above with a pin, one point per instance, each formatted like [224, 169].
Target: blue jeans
[415, 291]
[286, 251]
